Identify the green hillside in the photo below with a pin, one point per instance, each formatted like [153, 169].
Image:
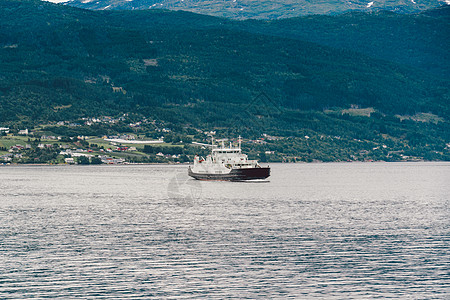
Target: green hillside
[191, 71]
[417, 40]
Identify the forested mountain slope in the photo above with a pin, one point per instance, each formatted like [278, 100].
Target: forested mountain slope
[419, 40]
[62, 63]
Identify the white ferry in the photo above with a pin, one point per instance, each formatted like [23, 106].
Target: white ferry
[227, 164]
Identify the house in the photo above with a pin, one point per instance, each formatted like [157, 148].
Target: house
[76, 154]
[66, 152]
[6, 157]
[69, 161]
[48, 137]
[127, 137]
[259, 141]
[118, 89]
[137, 124]
[23, 132]
[16, 148]
[110, 160]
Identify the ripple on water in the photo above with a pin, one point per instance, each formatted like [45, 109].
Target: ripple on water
[71, 233]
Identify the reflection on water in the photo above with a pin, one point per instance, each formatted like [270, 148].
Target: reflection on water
[312, 230]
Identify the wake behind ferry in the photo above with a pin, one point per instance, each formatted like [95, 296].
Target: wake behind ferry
[227, 164]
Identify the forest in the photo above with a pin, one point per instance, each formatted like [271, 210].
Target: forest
[308, 76]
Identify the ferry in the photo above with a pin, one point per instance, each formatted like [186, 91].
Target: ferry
[227, 164]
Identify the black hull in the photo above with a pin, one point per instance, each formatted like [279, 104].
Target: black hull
[234, 175]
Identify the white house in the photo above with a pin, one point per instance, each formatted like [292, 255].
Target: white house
[69, 160]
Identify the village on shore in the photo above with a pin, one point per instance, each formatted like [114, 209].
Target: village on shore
[143, 141]
[128, 140]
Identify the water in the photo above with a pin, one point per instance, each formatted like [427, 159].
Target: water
[343, 231]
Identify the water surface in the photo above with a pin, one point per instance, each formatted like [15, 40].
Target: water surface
[352, 231]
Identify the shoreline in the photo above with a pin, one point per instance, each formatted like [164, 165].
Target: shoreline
[187, 164]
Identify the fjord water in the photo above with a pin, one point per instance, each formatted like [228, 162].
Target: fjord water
[359, 230]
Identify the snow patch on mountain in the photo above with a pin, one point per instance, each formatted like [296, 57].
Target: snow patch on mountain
[57, 1]
[264, 9]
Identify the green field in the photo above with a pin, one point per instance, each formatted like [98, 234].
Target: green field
[9, 141]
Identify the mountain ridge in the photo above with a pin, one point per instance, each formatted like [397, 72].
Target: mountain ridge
[252, 9]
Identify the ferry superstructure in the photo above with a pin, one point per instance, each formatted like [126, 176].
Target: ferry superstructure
[227, 163]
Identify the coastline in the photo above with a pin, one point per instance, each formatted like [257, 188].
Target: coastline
[266, 163]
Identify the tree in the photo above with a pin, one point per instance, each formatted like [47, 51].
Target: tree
[83, 160]
[96, 161]
[187, 139]
[168, 138]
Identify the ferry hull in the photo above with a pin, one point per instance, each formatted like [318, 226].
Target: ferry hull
[234, 175]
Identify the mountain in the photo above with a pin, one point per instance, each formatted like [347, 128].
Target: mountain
[414, 39]
[418, 40]
[244, 9]
[193, 71]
